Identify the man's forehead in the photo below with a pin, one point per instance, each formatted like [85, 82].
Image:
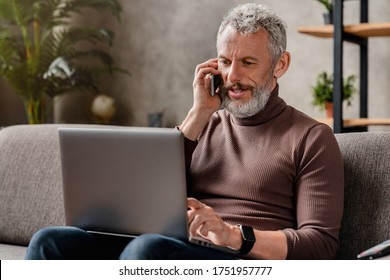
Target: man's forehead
[231, 40]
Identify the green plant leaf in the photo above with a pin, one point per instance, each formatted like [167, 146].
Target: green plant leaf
[323, 89]
[41, 53]
[327, 4]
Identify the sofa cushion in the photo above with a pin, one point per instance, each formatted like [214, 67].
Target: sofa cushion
[30, 181]
[12, 252]
[366, 219]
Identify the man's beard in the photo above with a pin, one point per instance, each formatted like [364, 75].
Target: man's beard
[258, 101]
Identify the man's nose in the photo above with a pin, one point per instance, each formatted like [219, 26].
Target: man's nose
[234, 75]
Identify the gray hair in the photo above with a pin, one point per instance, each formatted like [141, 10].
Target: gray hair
[250, 18]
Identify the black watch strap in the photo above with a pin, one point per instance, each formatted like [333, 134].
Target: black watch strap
[248, 239]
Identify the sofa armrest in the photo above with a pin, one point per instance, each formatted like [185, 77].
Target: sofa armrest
[366, 219]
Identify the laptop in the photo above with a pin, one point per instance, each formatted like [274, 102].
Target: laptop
[126, 181]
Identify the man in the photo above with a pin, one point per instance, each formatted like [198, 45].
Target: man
[264, 179]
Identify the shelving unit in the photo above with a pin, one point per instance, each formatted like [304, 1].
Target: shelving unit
[356, 34]
[364, 30]
[361, 122]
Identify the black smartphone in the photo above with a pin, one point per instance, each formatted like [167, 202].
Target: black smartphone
[216, 81]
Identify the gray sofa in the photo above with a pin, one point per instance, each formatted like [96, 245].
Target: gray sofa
[31, 191]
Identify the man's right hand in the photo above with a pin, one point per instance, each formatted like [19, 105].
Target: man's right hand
[204, 104]
[202, 99]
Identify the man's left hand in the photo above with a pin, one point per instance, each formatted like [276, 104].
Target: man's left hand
[206, 223]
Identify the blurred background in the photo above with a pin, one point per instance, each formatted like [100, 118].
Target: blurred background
[160, 42]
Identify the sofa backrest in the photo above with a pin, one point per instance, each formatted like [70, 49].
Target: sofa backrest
[30, 181]
[366, 219]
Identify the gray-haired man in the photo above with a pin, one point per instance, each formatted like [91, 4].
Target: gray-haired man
[264, 179]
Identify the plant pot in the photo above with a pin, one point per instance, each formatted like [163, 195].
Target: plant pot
[329, 109]
[328, 18]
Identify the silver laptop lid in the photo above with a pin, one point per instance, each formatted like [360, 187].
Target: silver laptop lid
[127, 181]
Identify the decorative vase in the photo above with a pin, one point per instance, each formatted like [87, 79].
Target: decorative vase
[103, 108]
[329, 109]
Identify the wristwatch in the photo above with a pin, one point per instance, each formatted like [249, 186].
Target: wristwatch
[248, 239]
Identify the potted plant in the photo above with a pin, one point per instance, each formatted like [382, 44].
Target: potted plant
[328, 16]
[40, 53]
[323, 92]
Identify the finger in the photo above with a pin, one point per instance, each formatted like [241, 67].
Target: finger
[190, 215]
[203, 76]
[195, 225]
[204, 73]
[211, 63]
[203, 230]
[193, 212]
[193, 203]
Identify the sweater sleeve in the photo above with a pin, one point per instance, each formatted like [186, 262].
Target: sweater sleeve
[319, 190]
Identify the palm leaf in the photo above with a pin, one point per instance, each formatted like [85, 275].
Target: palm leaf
[37, 42]
[68, 38]
[76, 6]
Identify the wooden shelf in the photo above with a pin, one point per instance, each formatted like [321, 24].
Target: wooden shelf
[357, 122]
[363, 30]
[357, 34]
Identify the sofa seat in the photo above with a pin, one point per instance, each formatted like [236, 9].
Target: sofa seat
[12, 252]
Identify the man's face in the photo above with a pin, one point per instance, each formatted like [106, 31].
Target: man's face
[246, 68]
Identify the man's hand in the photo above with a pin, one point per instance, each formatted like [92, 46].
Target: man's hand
[204, 222]
[202, 99]
[204, 104]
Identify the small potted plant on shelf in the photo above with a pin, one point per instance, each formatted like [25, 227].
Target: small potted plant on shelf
[323, 92]
[328, 16]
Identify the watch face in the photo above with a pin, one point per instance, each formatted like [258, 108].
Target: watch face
[248, 233]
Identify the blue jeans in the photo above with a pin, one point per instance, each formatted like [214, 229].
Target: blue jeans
[70, 243]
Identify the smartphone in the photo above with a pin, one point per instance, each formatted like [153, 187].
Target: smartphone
[216, 81]
[378, 251]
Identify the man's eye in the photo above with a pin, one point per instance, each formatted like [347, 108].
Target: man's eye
[248, 63]
[224, 62]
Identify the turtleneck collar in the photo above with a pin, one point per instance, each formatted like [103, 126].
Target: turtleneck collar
[273, 108]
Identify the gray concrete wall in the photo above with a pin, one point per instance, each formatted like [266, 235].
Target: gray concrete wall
[161, 41]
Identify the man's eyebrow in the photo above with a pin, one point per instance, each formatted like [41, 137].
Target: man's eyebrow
[242, 58]
[250, 58]
[222, 56]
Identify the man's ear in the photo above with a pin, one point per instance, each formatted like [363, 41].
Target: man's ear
[282, 65]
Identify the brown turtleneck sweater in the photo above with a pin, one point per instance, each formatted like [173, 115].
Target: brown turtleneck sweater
[277, 170]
